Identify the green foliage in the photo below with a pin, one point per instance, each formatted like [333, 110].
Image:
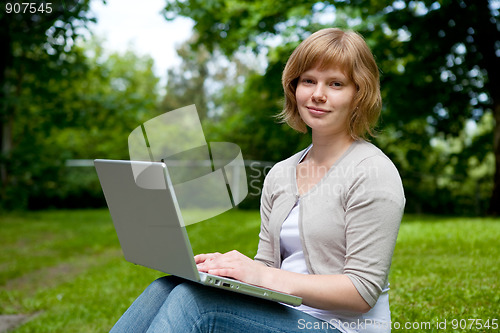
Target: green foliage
[87, 113]
[37, 51]
[446, 175]
[62, 99]
[232, 23]
[114, 96]
[442, 78]
[66, 267]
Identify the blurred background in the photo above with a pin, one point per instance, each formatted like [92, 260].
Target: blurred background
[77, 80]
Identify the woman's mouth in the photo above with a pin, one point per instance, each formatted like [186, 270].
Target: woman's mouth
[317, 111]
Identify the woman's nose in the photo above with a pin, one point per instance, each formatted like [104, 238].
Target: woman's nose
[319, 95]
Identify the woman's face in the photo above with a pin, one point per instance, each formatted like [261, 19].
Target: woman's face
[324, 100]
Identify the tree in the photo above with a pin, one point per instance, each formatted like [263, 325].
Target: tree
[90, 113]
[216, 84]
[36, 48]
[447, 62]
[102, 105]
[186, 84]
[64, 98]
[438, 59]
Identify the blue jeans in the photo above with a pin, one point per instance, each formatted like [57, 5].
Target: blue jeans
[172, 304]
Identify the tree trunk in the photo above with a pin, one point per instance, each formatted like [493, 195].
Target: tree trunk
[5, 127]
[484, 36]
[494, 208]
[6, 147]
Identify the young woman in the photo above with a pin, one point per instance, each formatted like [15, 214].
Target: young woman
[330, 215]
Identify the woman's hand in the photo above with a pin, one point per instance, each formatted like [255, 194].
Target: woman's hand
[232, 264]
[329, 292]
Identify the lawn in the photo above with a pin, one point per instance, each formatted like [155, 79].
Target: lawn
[65, 268]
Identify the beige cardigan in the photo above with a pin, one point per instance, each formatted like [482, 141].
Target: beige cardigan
[348, 222]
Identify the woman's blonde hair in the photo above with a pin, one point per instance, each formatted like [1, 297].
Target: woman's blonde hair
[349, 51]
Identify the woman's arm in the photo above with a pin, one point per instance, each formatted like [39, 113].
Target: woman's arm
[331, 292]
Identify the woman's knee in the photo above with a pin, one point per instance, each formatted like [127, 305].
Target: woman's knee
[190, 294]
[182, 311]
[191, 301]
[163, 286]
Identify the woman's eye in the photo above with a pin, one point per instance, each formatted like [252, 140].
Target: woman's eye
[307, 81]
[336, 84]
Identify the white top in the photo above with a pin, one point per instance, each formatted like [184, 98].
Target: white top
[293, 260]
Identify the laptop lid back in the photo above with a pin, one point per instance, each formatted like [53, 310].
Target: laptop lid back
[147, 218]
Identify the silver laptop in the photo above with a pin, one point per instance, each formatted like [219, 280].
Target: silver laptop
[150, 229]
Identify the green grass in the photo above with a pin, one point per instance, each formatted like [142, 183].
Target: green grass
[66, 268]
[447, 269]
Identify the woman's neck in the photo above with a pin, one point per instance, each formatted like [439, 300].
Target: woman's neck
[327, 149]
